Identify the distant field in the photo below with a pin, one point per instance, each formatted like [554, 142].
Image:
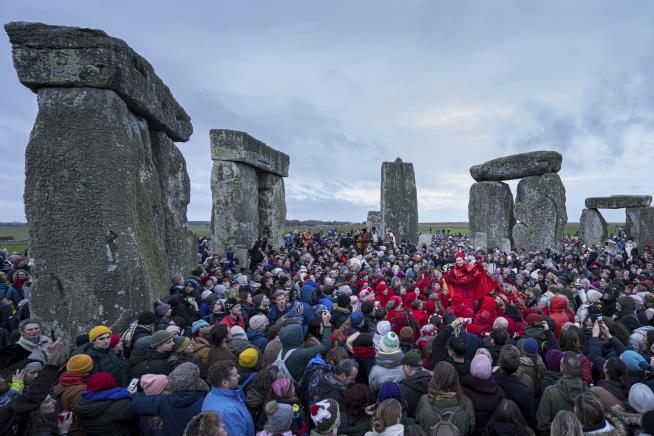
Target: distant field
[20, 232]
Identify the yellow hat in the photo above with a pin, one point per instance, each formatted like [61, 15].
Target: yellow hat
[80, 364]
[98, 331]
[248, 358]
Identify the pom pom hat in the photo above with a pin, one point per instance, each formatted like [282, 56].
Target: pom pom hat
[325, 416]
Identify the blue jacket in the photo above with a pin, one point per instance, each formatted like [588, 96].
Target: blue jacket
[175, 409]
[257, 338]
[306, 295]
[230, 405]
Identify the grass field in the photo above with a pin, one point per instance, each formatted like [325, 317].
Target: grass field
[20, 236]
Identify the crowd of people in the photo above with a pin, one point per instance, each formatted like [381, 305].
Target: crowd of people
[351, 334]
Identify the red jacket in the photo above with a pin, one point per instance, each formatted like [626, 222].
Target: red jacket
[560, 313]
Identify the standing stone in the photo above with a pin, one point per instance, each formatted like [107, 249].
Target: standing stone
[479, 240]
[640, 225]
[374, 220]
[272, 208]
[592, 227]
[540, 213]
[490, 211]
[106, 189]
[399, 200]
[424, 239]
[534, 163]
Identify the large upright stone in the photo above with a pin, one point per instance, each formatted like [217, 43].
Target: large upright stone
[59, 56]
[640, 225]
[399, 200]
[540, 213]
[93, 202]
[490, 211]
[592, 227]
[272, 208]
[238, 146]
[374, 219]
[516, 166]
[619, 201]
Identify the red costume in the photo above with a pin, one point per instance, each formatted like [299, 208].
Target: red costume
[470, 281]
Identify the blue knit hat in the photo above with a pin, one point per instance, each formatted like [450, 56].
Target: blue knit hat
[530, 345]
[356, 318]
[633, 360]
[197, 325]
[390, 390]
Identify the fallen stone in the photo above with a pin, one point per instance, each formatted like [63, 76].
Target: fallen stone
[374, 220]
[490, 211]
[60, 56]
[516, 166]
[592, 227]
[640, 225]
[272, 208]
[235, 146]
[540, 213]
[399, 200]
[619, 201]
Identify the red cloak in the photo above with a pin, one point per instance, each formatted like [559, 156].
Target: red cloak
[470, 281]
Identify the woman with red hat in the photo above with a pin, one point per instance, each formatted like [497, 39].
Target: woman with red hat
[470, 281]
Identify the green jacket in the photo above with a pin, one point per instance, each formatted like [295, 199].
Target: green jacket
[428, 411]
[559, 396]
[105, 360]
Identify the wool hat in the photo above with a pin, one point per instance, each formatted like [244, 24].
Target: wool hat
[98, 331]
[174, 329]
[79, 364]
[412, 358]
[534, 318]
[406, 334]
[281, 386]
[33, 366]
[258, 322]
[390, 342]
[238, 333]
[366, 294]
[481, 367]
[231, 302]
[153, 384]
[633, 360]
[205, 294]
[146, 318]
[383, 327]
[181, 342]
[390, 390]
[553, 359]
[115, 340]
[279, 417]
[162, 308]
[356, 318]
[197, 325]
[641, 398]
[159, 337]
[186, 377]
[257, 300]
[530, 346]
[638, 299]
[192, 283]
[248, 358]
[593, 296]
[100, 381]
[325, 415]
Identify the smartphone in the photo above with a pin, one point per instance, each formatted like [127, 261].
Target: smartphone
[599, 317]
[52, 335]
[133, 386]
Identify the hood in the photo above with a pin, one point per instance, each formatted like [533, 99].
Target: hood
[417, 382]
[291, 336]
[536, 333]
[489, 304]
[306, 293]
[389, 360]
[557, 304]
[183, 399]
[570, 387]
[485, 387]
[253, 334]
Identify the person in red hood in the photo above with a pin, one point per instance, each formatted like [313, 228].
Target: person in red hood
[418, 313]
[460, 309]
[392, 307]
[561, 313]
[470, 281]
[382, 294]
[485, 318]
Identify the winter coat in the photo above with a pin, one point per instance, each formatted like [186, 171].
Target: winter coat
[548, 379]
[485, 396]
[257, 338]
[412, 388]
[331, 387]
[600, 351]
[216, 354]
[610, 392]
[155, 363]
[39, 350]
[516, 391]
[339, 316]
[393, 430]
[201, 347]
[106, 413]
[533, 370]
[388, 367]
[292, 336]
[176, 409]
[628, 421]
[105, 360]
[559, 396]
[230, 405]
[69, 390]
[560, 313]
[353, 425]
[429, 409]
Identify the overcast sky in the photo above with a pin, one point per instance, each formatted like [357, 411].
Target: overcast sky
[342, 86]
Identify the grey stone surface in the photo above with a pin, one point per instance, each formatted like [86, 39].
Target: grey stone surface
[399, 200]
[272, 208]
[618, 201]
[479, 240]
[640, 225]
[374, 219]
[424, 239]
[516, 166]
[235, 219]
[505, 245]
[540, 213]
[592, 227]
[490, 210]
[236, 146]
[94, 207]
[59, 56]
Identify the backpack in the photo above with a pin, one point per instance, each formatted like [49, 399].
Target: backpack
[445, 425]
[280, 364]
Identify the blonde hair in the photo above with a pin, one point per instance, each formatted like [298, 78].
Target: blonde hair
[387, 413]
[565, 423]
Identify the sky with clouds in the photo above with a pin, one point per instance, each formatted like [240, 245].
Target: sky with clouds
[342, 86]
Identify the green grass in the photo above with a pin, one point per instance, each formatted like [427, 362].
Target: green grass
[20, 238]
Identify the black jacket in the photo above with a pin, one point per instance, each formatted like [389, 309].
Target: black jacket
[107, 417]
[154, 363]
[517, 392]
[412, 388]
[485, 396]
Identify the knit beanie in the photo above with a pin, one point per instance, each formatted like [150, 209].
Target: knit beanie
[181, 342]
[593, 296]
[33, 366]
[412, 358]
[197, 325]
[390, 390]
[161, 309]
[325, 415]
[153, 384]
[390, 342]
[530, 346]
[553, 359]
[633, 360]
[248, 358]
[80, 364]
[186, 377]
[98, 331]
[481, 367]
[280, 417]
[100, 381]
[257, 300]
[146, 318]
[356, 318]
[238, 333]
[383, 327]
[406, 334]
[159, 337]
[641, 398]
[281, 386]
[258, 322]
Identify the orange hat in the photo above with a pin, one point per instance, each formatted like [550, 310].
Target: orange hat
[98, 331]
[80, 364]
